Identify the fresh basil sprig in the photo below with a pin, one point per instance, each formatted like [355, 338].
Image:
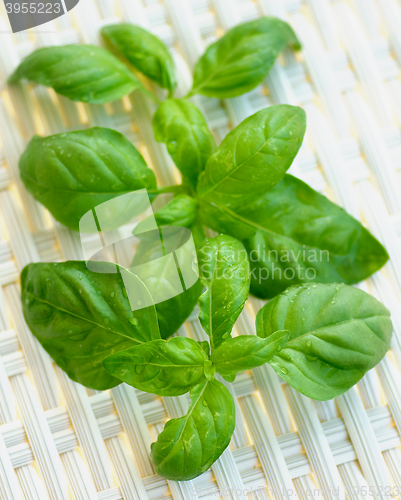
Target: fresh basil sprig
[144, 51]
[83, 73]
[320, 338]
[337, 334]
[242, 58]
[72, 173]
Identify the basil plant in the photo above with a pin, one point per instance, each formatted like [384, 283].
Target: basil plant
[277, 238]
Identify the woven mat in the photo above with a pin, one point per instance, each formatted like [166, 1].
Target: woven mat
[61, 441]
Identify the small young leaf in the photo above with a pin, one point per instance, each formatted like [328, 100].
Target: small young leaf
[224, 270]
[181, 125]
[80, 317]
[169, 368]
[337, 334]
[242, 58]
[210, 370]
[73, 173]
[253, 157]
[189, 445]
[180, 211]
[247, 351]
[144, 51]
[80, 72]
[294, 234]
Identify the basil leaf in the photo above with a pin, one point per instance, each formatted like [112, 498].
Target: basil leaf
[205, 346]
[80, 72]
[169, 368]
[80, 317]
[337, 334]
[242, 58]
[189, 445]
[180, 211]
[72, 173]
[174, 311]
[247, 351]
[294, 234]
[144, 51]
[253, 157]
[224, 270]
[181, 125]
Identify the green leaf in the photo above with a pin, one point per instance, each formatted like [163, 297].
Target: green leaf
[144, 51]
[204, 344]
[80, 72]
[253, 157]
[181, 125]
[159, 249]
[72, 173]
[294, 234]
[210, 370]
[180, 211]
[173, 313]
[189, 445]
[337, 334]
[80, 317]
[224, 270]
[165, 368]
[242, 58]
[247, 351]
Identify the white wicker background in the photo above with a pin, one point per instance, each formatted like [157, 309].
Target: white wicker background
[59, 441]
